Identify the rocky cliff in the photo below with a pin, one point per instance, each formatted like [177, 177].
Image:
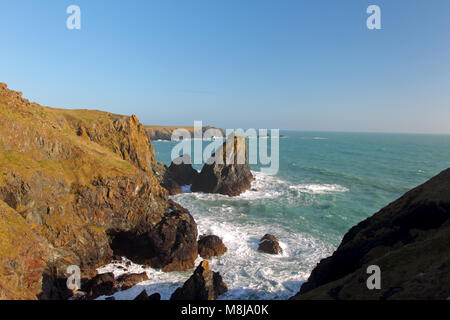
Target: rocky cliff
[75, 186]
[165, 132]
[408, 240]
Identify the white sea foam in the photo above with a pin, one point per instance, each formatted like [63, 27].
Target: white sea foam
[248, 273]
[319, 188]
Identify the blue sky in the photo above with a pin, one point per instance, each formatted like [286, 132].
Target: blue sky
[300, 65]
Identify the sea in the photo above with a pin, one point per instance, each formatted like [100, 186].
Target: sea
[326, 183]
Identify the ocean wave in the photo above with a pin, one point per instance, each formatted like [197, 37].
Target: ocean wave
[319, 188]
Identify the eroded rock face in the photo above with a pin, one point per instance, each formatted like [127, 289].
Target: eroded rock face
[204, 284]
[80, 179]
[211, 246]
[269, 244]
[227, 171]
[408, 240]
[23, 253]
[171, 244]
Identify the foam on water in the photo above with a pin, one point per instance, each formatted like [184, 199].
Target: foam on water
[248, 273]
[319, 188]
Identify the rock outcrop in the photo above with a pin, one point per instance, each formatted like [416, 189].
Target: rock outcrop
[74, 184]
[128, 280]
[211, 246]
[165, 132]
[227, 171]
[204, 284]
[143, 296]
[408, 240]
[269, 244]
[178, 174]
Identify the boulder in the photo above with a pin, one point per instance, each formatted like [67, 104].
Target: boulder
[204, 284]
[269, 244]
[101, 285]
[210, 246]
[128, 280]
[408, 240]
[227, 171]
[171, 244]
[144, 297]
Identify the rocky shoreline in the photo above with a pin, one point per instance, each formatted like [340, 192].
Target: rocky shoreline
[82, 187]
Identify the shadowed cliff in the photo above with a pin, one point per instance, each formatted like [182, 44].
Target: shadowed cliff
[409, 240]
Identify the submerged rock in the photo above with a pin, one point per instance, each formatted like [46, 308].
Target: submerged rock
[227, 171]
[211, 246]
[204, 284]
[408, 240]
[269, 244]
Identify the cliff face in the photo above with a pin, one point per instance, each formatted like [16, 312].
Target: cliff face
[409, 240]
[79, 181]
[165, 132]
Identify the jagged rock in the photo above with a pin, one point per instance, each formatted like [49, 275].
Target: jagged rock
[143, 296]
[81, 179]
[211, 246]
[128, 280]
[181, 170]
[408, 240]
[227, 171]
[101, 285]
[177, 175]
[269, 244]
[204, 284]
[171, 244]
[23, 253]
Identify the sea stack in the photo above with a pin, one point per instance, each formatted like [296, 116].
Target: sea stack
[227, 171]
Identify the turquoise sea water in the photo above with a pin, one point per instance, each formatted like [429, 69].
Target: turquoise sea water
[327, 183]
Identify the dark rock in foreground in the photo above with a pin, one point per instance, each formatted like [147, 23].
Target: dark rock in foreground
[227, 171]
[211, 246]
[101, 285]
[171, 244]
[409, 241]
[269, 244]
[204, 284]
[128, 280]
[144, 297]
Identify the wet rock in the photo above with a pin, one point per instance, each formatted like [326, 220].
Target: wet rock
[128, 280]
[269, 244]
[211, 246]
[204, 284]
[171, 244]
[227, 171]
[144, 297]
[101, 285]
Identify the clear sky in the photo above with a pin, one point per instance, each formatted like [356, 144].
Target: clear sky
[301, 65]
